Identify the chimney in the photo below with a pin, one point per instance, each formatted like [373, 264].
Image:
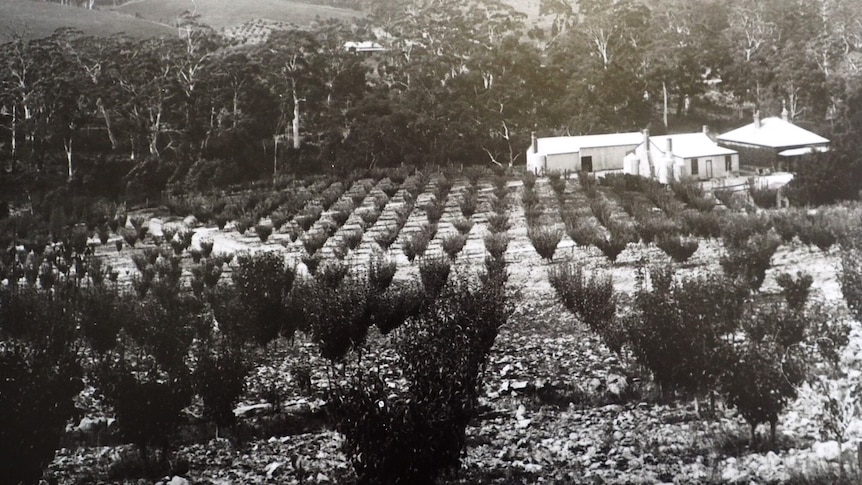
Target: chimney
[669, 150]
[534, 141]
[646, 139]
[784, 113]
[706, 130]
[757, 119]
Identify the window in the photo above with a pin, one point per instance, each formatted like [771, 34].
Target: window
[728, 163]
[587, 164]
[694, 166]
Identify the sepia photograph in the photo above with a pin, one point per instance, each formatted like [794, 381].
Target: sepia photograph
[430, 242]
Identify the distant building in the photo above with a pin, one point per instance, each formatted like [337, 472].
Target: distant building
[681, 156]
[590, 153]
[363, 47]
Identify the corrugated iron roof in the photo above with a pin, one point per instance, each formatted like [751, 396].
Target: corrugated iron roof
[774, 132]
[690, 145]
[570, 144]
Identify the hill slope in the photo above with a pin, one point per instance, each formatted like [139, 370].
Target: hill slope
[221, 14]
[40, 19]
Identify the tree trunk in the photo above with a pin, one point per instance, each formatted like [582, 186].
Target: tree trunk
[67, 145]
[107, 117]
[295, 121]
[14, 129]
[664, 92]
[154, 134]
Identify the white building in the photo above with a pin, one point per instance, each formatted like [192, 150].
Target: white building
[681, 156]
[590, 153]
[776, 134]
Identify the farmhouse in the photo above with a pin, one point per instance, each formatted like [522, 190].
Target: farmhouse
[590, 153]
[681, 156]
[775, 134]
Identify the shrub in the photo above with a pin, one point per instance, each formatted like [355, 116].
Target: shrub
[764, 198]
[453, 243]
[545, 240]
[263, 231]
[588, 184]
[330, 274]
[400, 301]
[851, 273]
[40, 376]
[415, 434]
[387, 236]
[737, 229]
[278, 219]
[130, 236]
[602, 210]
[691, 193]
[795, 290]
[219, 379]
[369, 216]
[580, 230]
[380, 273]
[529, 198]
[469, 202]
[221, 221]
[679, 249]
[261, 281]
[463, 225]
[206, 245]
[558, 184]
[434, 272]
[678, 334]
[529, 180]
[815, 230]
[498, 222]
[313, 241]
[701, 224]
[748, 263]
[434, 211]
[337, 317]
[380, 201]
[728, 198]
[611, 246]
[650, 226]
[498, 204]
[496, 244]
[417, 243]
[767, 366]
[353, 237]
[590, 299]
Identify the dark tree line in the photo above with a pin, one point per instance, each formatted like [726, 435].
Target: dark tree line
[457, 84]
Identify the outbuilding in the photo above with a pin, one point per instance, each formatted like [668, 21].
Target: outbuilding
[589, 153]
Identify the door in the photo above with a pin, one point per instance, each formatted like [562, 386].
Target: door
[709, 169]
[587, 164]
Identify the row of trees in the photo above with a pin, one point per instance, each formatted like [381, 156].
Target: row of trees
[458, 83]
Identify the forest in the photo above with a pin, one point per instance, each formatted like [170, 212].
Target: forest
[457, 84]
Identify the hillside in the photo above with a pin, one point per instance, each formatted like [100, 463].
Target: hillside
[40, 19]
[221, 14]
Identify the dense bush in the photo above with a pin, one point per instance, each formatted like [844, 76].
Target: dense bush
[676, 247]
[701, 224]
[612, 245]
[415, 244]
[261, 282]
[545, 240]
[434, 210]
[40, 376]
[337, 317]
[580, 229]
[592, 299]
[387, 236]
[795, 290]
[496, 244]
[415, 434]
[680, 335]
[434, 273]
[650, 226]
[737, 229]
[263, 231]
[691, 193]
[463, 225]
[453, 243]
[748, 263]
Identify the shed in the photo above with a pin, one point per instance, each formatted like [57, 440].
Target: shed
[590, 153]
[683, 156]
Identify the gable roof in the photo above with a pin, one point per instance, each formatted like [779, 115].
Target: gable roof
[570, 144]
[774, 132]
[690, 145]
